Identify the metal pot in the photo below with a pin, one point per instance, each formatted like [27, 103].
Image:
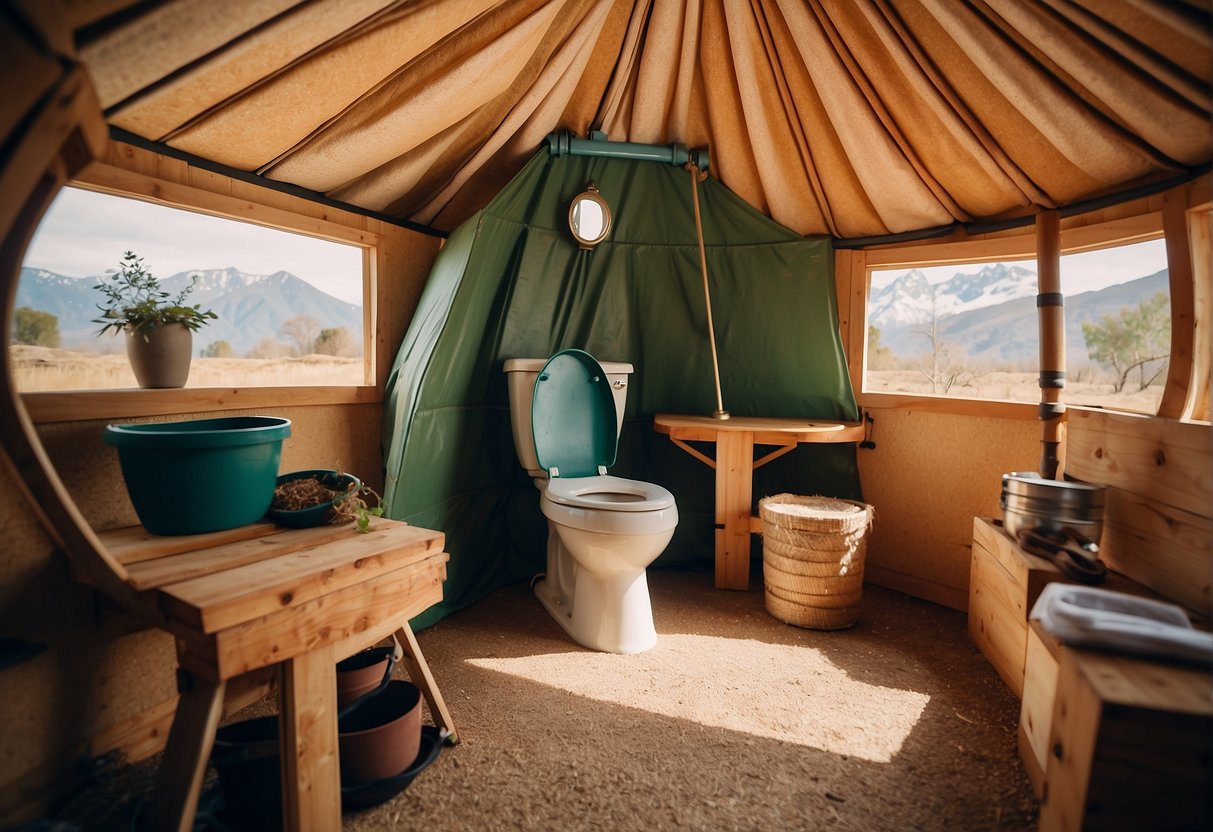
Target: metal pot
[1030, 501]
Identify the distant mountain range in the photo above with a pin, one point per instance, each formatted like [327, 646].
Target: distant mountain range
[250, 306]
[992, 314]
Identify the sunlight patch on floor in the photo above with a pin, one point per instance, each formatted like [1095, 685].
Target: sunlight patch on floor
[778, 691]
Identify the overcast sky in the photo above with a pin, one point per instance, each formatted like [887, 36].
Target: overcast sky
[85, 233]
[1079, 272]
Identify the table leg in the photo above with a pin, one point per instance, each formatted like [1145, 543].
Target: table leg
[419, 673]
[734, 494]
[179, 779]
[311, 779]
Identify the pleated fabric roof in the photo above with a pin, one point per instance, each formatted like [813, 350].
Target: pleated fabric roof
[844, 117]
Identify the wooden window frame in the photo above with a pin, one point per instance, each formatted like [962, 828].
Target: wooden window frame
[1181, 216]
[81, 405]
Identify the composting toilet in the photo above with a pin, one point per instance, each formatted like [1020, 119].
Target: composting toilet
[603, 531]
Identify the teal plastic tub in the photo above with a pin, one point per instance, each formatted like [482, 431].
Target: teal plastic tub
[203, 475]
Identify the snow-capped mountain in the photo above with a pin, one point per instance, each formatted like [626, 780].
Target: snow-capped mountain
[250, 306]
[212, 283]
[912, 299]
[1006, 332]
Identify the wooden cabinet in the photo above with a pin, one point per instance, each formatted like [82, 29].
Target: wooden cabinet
[1128, 743]
[1036, 705]
[1108, 741]
[1004, 583]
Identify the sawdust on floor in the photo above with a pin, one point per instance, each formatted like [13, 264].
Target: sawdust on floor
[733, 721]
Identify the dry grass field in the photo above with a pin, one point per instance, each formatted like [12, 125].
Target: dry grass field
[1020, 387]
[43, 368]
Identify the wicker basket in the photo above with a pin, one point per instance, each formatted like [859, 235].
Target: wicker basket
[812, 559]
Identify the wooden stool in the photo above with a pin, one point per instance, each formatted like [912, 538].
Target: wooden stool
[295, 600]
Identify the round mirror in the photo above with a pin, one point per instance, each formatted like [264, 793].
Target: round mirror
[589, 217]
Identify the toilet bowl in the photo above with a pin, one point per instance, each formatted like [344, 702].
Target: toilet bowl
[603, 531]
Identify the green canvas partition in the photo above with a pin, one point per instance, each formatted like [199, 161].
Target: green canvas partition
[512, 283]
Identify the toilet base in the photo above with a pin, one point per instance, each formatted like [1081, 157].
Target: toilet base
[590, 628]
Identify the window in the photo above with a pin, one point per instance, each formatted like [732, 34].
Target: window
[970, 330]
[289, 306]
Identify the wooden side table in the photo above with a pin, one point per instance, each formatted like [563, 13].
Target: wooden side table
[295, 600]
[735, 439]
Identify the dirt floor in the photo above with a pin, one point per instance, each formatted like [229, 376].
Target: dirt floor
[733, 721]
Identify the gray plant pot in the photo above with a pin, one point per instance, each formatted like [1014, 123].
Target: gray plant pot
[162, 359]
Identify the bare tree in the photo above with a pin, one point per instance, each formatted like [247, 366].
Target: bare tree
[268, 348]
[945, 364]
[301, 331]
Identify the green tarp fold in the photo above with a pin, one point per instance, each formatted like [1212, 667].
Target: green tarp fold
[512, 283]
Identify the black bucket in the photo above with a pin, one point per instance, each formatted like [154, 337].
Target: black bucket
[246, 758]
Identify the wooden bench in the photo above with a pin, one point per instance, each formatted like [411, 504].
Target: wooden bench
[294, 600]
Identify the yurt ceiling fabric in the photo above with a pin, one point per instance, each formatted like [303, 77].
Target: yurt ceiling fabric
[851, 118]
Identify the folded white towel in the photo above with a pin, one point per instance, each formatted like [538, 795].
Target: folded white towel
[1090, 617]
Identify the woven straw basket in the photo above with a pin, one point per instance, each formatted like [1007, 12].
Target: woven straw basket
[812, 559]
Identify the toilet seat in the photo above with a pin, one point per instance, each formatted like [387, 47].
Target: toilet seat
[606, 493]
[598, 507]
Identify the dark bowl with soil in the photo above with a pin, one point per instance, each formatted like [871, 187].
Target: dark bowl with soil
[315, 497]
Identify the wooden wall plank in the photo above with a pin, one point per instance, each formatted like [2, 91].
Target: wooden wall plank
[1091, 231]
[1165, 459]
[1165, 548]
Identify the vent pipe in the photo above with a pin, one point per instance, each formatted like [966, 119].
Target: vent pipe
[566, 144]
[1051, 313]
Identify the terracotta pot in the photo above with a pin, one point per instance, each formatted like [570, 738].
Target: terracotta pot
[360, 673]
[162, 358]
[380, 791]
[380, 738]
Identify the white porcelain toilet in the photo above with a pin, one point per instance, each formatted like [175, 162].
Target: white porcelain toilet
[603, 531]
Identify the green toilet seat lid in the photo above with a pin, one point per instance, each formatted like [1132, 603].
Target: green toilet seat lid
[573, 416]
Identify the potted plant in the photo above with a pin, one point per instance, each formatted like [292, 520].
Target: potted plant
[159, 340]
[320, 496]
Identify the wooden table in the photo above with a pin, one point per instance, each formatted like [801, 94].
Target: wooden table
[735, 439]
[294, 601]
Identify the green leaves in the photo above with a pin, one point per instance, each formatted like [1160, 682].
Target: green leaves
[1133, 339]
[134, 301]
[33, 326]
[364, 517]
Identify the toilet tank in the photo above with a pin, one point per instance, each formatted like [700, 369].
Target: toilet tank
[520, 376]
